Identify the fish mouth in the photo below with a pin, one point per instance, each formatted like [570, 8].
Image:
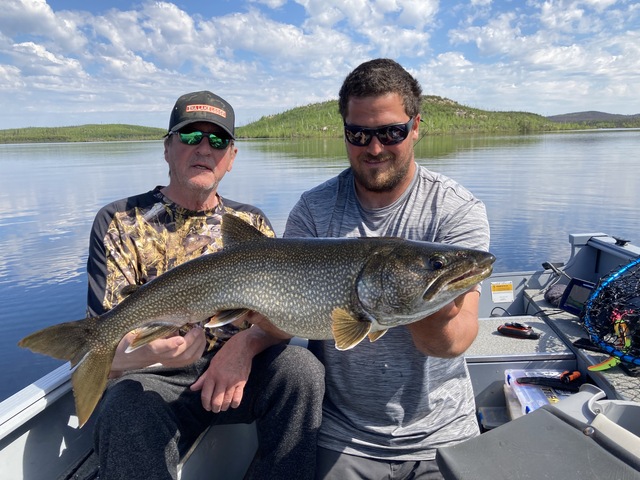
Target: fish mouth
[466, 280]
[471, 278]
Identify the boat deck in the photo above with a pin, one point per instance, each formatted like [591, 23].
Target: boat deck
[617, 382]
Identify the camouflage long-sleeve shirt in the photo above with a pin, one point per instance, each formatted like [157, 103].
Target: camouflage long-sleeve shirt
[135, 239]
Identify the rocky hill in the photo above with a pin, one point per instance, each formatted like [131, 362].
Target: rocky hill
[593, 117]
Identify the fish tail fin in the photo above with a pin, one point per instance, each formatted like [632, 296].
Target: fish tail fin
[69, 341]
[90, 380]
[65, 341]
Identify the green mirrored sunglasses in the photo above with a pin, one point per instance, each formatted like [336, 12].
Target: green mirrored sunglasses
[194, 138]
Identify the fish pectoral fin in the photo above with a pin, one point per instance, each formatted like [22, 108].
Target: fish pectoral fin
[373, 336]
[348, 331]
[149, 334]
[224, 317]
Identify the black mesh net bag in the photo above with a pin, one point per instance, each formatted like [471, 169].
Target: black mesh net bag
[612, 313]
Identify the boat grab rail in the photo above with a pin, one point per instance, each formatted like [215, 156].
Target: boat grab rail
[25, 404]
[603, 242]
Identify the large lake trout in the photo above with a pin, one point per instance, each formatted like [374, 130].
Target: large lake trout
[340, 288]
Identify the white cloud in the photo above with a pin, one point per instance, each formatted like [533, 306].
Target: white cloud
[405, 42]
[498, 36]
[167, 24]
[418, 13]
[270, 3]
[563, 16]
[368, 17]
[35, 17]
[10, 78]
[600, 5]
[449, 60]
[35, 59]
[129, 65]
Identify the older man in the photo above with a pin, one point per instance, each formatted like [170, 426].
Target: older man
[163, 395]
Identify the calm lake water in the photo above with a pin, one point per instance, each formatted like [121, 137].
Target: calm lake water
[537, 188]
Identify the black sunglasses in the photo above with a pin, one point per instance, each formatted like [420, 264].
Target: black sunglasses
[194, 138]
[387, 135]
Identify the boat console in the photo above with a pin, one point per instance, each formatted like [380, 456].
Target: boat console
[592, 434]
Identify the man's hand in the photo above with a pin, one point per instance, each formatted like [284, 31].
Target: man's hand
[222, 384]
[175, 351]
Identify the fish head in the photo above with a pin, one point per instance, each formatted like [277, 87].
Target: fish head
[404, 280]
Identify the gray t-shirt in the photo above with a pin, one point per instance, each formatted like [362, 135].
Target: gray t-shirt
[386, 399]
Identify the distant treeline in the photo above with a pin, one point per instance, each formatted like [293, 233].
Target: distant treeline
[82, 133]
[441, 116]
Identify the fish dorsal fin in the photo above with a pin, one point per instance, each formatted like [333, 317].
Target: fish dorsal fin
[373, 336]
[129, 289]
[235, 231]
[347, 331]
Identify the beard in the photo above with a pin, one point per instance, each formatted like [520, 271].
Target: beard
[384, 179]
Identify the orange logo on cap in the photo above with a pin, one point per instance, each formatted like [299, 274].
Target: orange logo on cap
[206, 108]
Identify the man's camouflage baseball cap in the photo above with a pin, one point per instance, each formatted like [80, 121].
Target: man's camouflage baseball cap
[202, 107]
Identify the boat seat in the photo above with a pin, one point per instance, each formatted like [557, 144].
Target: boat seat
[230, 445]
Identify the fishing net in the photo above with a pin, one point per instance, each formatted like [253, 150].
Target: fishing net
[612, 313]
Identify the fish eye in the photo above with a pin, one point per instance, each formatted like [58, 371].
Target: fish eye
[437, 262]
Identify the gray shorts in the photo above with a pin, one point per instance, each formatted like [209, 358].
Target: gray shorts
[341, 466]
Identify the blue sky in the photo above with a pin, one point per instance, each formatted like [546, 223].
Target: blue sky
[70, 62]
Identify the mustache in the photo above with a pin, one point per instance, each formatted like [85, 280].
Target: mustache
[384, 156]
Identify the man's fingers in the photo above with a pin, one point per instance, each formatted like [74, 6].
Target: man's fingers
[218, 400]
[237, 397]
[206, 396]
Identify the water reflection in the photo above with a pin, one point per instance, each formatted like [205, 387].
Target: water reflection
[537, 189]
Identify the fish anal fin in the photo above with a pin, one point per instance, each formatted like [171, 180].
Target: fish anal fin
[348, 331]
[373, 336]
[149, 334]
